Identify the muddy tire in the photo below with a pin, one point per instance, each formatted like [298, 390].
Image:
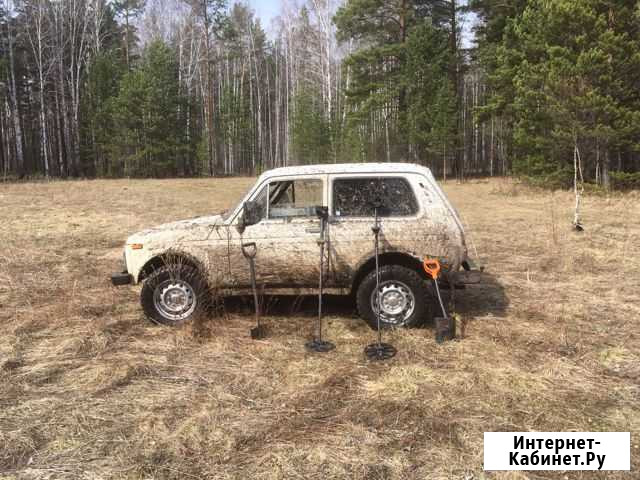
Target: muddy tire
[173, 295]
[407, 299]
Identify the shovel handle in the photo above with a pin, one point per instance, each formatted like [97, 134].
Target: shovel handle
[249, 250]
[432, 267]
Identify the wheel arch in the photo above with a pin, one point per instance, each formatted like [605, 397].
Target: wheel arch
[387, 258]
[173, 257]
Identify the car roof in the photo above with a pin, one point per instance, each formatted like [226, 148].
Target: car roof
[335, 168]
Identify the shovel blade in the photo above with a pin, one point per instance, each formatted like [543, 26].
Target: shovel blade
[445, 329]
[258, 333]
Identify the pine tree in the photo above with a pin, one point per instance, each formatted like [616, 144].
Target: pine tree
[128, 11]
[576, 68]
[432, 113]
[104, 73]
[311, 131]
[147, 136]
[405, 76]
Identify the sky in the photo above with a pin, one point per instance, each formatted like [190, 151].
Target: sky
[266, 10]
[269, 9]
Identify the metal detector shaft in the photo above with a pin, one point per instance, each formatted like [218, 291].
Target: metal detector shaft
[378, 351]
[376, 232]
[319, 345]
[321, 241]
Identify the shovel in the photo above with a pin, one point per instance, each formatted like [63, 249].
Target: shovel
[445, 325]
[250, 250]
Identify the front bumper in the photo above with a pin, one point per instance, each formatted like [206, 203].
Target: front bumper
[122, 278]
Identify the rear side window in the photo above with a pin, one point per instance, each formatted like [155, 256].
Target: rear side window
[357, 197]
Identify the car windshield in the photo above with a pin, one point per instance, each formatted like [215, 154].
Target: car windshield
[227, 213]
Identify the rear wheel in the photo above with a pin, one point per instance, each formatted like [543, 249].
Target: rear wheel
[173, 294]
[405, 298]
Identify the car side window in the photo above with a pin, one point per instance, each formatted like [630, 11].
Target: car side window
[289, 198]
[294, 198]
[357, 197]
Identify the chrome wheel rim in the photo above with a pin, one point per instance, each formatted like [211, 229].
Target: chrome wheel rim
[397, 302]
[174, 299]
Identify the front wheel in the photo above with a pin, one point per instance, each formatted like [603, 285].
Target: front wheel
[404, 297]
[173, 294]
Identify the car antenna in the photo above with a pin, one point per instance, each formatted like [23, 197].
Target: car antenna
[319, 345]
[249, 250]
[378, 350]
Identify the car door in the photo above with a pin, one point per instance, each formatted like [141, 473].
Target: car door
[286, 237]
[352, 216]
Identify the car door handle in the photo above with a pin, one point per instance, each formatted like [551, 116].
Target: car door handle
[313, 230]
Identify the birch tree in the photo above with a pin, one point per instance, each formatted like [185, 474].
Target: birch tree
[37, 33]
[210, 14]
[14, 107]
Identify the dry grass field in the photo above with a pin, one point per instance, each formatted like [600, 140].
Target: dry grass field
[89, 389]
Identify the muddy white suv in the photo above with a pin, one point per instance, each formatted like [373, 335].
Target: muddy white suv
[184, 264]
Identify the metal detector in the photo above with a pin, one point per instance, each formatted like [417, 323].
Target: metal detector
[319, 345]
[249, 250]
[445, 325]
[378, 350]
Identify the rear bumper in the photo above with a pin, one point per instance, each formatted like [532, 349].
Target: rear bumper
[471, 274]
[467, 277]
[122, 278]
[471, 266]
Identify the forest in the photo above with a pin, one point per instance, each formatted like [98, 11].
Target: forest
[172, 88]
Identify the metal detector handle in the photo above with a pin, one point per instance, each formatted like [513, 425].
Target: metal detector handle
[249, 250]
[322, 212]
[432, 267]
[377, 203]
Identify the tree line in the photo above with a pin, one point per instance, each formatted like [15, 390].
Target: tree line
[93, 88]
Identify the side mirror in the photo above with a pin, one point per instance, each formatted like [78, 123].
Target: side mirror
[251, 214]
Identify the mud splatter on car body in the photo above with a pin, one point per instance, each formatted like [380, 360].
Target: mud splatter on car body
[418, 221]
